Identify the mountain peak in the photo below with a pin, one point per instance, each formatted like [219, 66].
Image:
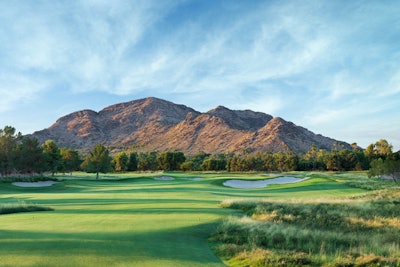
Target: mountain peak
[219, 109]
[246, 120]
[148, 109]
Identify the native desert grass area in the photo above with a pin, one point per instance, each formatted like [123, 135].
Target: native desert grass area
[192, 219]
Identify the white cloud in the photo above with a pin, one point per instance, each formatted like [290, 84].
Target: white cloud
[18, 89]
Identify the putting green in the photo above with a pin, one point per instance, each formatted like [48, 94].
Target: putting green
[131, 219]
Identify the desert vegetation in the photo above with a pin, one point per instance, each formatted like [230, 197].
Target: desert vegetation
[353, 231]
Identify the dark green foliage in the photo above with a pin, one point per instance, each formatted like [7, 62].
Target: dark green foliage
[215, 163]
[187, 166]
[389, 167]
[71, 160]
[170, 161]
[97, 161]
[198, 159]
[133, 161]
[29, 156]
[121, 162]
[52, 156]
[147, 161]
[8, 146]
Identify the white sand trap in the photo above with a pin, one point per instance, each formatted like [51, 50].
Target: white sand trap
[164, 178]
[262, 183]
[35, 184]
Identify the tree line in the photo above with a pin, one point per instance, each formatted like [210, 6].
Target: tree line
[24, 155]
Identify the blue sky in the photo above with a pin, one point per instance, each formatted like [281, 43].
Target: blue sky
[330, 66]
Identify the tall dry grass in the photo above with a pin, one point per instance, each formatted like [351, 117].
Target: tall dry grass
[361, 231]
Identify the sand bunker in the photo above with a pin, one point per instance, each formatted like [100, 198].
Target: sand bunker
[164, 178]
[262, 183]
[35, 184]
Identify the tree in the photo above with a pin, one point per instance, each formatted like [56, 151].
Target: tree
[269, 163]
[215, 163]
[29, 156]
[254, 163]
[370, 152]
[187, 166]
[347, 159]
[235, 164]
[97, 161]
[362, 162]
[332, 161]
[8, 146]
[198, 160]
[147, 161]
[392, 168]
[170, 161]
[121, 161]
[52, 156]
[70, 160]
[133, 161]
[383, 149]
[312, 155]
[389, 167]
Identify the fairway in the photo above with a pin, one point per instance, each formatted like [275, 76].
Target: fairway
[132, 219]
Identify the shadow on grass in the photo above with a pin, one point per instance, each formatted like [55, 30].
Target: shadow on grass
[19, 208]
[181, 245]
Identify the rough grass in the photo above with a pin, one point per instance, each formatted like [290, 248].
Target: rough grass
[362, 230]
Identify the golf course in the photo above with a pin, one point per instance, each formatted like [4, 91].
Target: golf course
[146, 219]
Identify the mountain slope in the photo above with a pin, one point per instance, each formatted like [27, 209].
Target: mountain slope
[155, 124]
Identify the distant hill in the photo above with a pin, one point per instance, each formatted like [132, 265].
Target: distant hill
[154, 124]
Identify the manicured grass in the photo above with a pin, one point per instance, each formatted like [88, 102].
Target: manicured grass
[133, 220]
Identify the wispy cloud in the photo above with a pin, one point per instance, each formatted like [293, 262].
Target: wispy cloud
[315, 62]
[16, 89]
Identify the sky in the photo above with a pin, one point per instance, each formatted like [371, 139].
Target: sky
[332, 67]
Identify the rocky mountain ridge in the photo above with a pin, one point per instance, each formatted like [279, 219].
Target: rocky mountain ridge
[155, 124]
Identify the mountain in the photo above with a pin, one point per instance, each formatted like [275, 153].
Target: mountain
[155, 124]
